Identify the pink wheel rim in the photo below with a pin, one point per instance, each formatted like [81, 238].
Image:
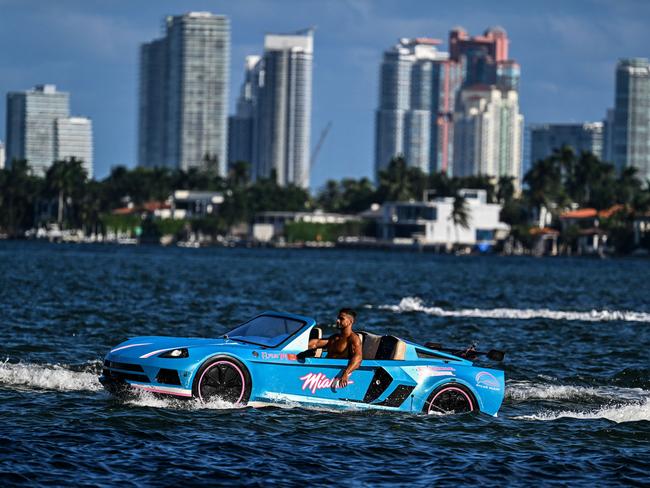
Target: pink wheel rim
[452, 388]
[231, 364]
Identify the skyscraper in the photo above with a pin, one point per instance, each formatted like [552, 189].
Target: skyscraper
[31, 117]
[184, 94]
[608, 135]
[488, 127]
[484, 59]
[545, 138]
[283, 125]
[631, 126]
[277, 93]
[417, 91]
[2, 155]
[488, 133]
[73, 138]
[420, 88]
[240, 125]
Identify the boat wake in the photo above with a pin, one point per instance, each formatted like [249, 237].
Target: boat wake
[415, 304]
[520, 391]
[614, 403]
[50, 376]
[629, 412]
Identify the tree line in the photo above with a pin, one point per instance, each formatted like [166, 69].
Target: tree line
[65, 194]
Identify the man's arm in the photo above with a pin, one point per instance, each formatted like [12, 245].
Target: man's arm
[316, 343]
[354, 362]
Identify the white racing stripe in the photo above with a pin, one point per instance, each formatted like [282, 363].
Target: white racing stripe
[130, 345]
[163, 389]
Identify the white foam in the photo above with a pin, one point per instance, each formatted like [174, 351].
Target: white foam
[631, 412]
[147, 399]
[524, 390]
[48, 376]
[415, 304]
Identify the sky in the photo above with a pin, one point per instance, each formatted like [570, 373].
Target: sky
[567, 51]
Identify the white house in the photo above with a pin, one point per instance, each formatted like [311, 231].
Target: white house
[432, 222]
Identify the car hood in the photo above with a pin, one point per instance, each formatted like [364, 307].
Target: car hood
[148, 346]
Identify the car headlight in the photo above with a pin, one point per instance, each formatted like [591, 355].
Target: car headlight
[175, 353]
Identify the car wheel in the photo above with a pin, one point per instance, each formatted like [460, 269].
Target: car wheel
[450, 398]
[224, 378]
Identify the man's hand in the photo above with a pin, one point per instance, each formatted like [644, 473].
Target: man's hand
[343, 380]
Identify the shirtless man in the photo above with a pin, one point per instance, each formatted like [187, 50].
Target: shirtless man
[344, 345]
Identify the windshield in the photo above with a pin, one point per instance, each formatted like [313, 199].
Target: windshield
[266, 330]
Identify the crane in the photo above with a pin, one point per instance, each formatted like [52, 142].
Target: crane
[319, 144]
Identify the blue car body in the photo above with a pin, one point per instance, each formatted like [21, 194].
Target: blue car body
[273, 368]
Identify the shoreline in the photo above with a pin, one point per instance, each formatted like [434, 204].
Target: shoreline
[380, 246]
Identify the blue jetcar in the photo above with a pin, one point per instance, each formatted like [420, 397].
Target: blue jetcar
[266, 360]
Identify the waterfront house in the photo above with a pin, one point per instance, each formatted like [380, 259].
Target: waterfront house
[432, 223]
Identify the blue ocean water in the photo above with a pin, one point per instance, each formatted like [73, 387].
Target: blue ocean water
[576, 332]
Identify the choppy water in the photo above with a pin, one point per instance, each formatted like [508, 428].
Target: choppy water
[577, 332]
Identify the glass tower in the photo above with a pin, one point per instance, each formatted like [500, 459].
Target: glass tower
[74, 139]
[240, 125]
[273, 119]
[416, 100]
[631, 125]
[31, 117]
[544, 138]
[184, 94]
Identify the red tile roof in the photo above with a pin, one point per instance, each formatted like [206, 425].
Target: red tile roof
[540, 231]
[590, 213]
[151, 206]
[123, 211]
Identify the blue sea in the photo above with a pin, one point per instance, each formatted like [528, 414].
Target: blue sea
[576, 332]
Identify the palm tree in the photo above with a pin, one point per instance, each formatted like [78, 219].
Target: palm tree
[239, 174]
[19, 191]
[395, 182]
[358, 195]
[329, 197]
[459, 214]
[506, 189]
[545, 187]
[66, 179]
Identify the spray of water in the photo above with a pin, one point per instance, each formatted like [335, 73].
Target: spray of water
[49, 376]
[415, 304]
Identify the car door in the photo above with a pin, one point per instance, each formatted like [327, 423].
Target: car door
[311, 380]
[316, 380]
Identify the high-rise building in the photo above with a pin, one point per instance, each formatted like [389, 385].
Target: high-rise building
[484, 59]
[587, 137]
[74, 139]
[184, 94]
[526, 161]
[240, 125]
[283, 119]
[488, 133]
[277, 93]
[2, 155]
[608, 135]
[631, 127]
[420, 88]
[31, 117]
[417, 93]
[488, 127]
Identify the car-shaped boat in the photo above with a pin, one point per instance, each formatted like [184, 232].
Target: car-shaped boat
[267, 360]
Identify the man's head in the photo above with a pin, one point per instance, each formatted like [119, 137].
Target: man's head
[346, 318]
